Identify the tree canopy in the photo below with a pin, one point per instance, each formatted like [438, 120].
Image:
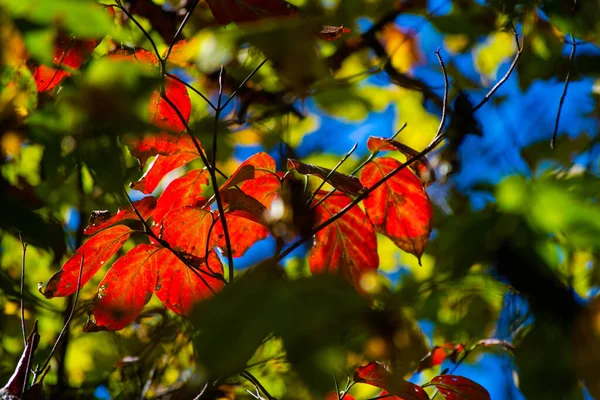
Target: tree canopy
[299, 199]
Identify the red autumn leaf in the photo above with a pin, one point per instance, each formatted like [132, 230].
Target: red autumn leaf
[188, 230]
[125, 290]
[421, 166]
[259, 165]
[240, 204]
[264, 189]
[17, 383]
[179, 287]
[331, 33]
[377, 374]
[68, 52]
[346, 183]
[96, 251]
[163, 115]
[142, 56]
[226, 11]
[103, 219]
[454, 387]
[400, 208]
[438, 354]
[164, 144]
[183, 191]
[161, 166]
[348, 245]
[243, 232]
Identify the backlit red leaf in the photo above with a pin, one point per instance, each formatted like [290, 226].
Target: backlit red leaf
[348, 245]
[346, 183]
[377, 374]
[103, 219]
[183, 191]
[259, 165]
[331, 33]
[161, 166]
[68, 52]
[454, 387]
[264, 189]
[420, 166]
[96, 251]
[243, 233]
[400, 208]
[438, 354]
[188, 230]
[163, 115]
[125, 290]
[179, 287]
[240, 204]
[164, 144]
[226, 11]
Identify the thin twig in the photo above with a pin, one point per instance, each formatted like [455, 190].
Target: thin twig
[506, 76]
[23, 329]
[135, 21]
[440, 137]
[244, 82]
[193, 89]
[564, 93]
[66, 325]
[183, 23]
[252, 379]
[445, 101]
[339, 164]
[201, 392]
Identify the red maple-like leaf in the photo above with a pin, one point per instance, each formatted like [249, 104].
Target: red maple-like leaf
[183, 191]
[163, 114]
[188, 230]
[164, 144]
[400, 208]
[95, 252]
[125, 290]
[438, 354]
[103, 219]
[259, 165]
[226, 11]
[264, 189]
[161, 166]
[243, 232]
[68, 52]
[377, 374]
[420, 166]
[348, 245]
[454, 387]
[179, 287]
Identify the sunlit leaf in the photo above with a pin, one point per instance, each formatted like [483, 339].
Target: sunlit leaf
[187, 229]
[400, 208]
[243, 232]
[103, 219]
[420, 166]
[95, 252]
[377, 374]
[179, 286]
[161, 166]
[183, 191]
[163, 114]
[402, 47]
[348, 245]
[454, 387]
[346, 183]
[438, 354]
[125, 290]
[259, 165]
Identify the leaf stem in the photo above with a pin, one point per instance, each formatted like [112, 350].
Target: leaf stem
[22, 289]
[244, 82]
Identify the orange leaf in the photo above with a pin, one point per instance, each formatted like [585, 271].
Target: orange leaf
[346, 183]
[163, 115]
[187, 230]
[348, 245]
[67, 52]
[226, 11]
[240, 204]
[401, 47]
[243, 233]
[264, 189]
[103, 219]
[96, 251]
[179, 287]
[161, 166]
[421, 166]
[260, 164]
[125, 290]
[400, 208]
[183, 191]
[163, 144]
[377, 374]
[454, 387]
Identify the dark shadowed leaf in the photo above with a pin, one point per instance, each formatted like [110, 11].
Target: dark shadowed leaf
[226, 11]
[348, 184]
[331, 33]
[454, 387]
[95, 252]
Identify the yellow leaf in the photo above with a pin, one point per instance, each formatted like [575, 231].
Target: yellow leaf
[402, 48]
[497, 48]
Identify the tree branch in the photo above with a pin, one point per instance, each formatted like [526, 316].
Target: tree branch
[564, 93]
